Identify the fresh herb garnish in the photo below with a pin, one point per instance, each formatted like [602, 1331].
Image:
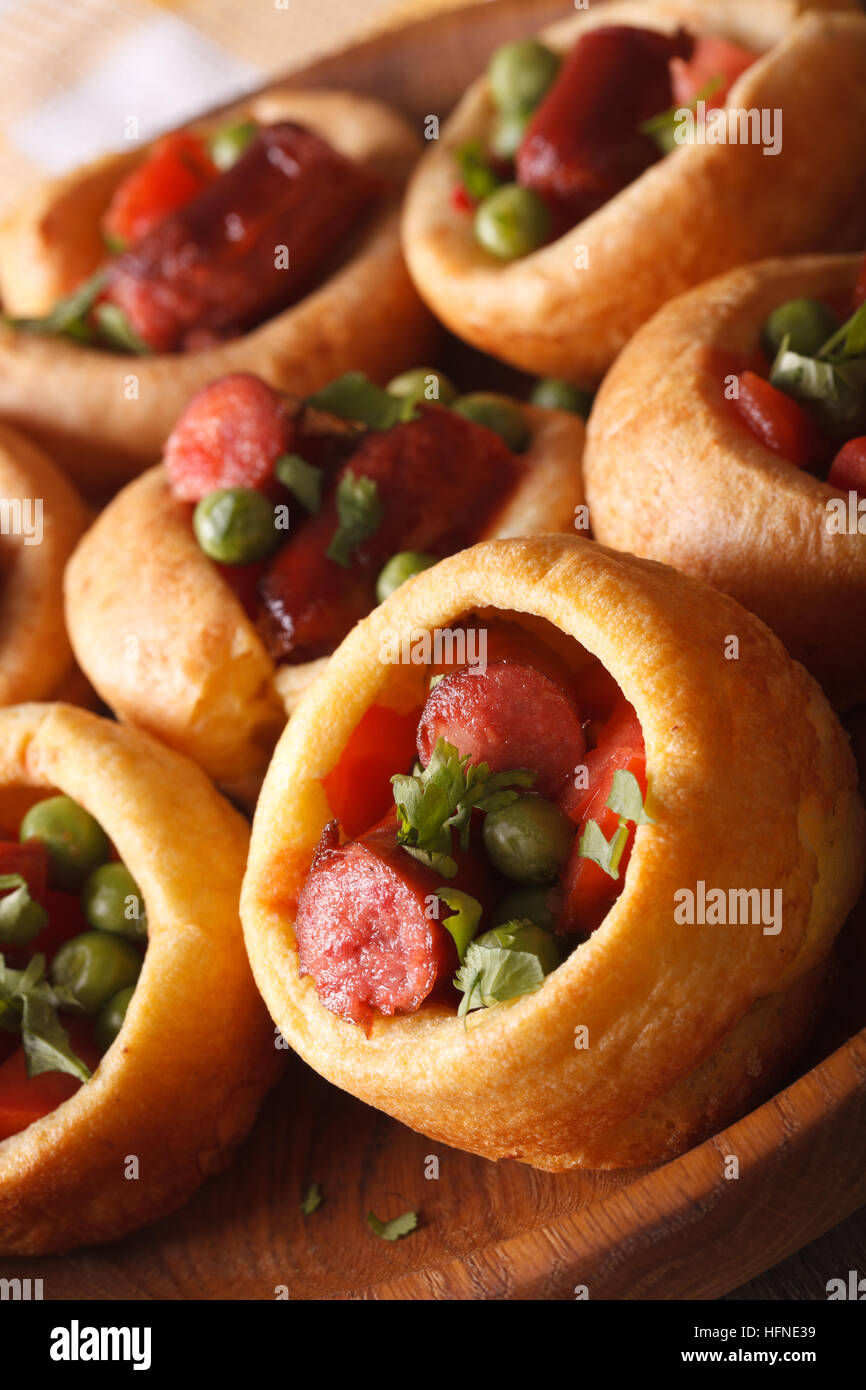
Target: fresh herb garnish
[117, 331]
[21, 919]
[392, 1230]
[626, 801]
[360, 512]
[70, 317]
[491, 974]
[355, 398]
[477, 175]
[28, 1004]
[467, 914]
[662, 128]
[304, 480]
[849, 340]
[441, 798]
[313, 1199]
[835, 385]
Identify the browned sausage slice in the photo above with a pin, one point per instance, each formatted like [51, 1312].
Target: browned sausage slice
[510, 715]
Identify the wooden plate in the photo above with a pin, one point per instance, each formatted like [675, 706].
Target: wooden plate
[493, 1230]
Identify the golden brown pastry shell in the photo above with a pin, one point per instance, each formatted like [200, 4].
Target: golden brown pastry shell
[183, 1080]
[694, 214]
[106, 415]
[753, 785]
[169, 647]
[35, 654]
[672, 473]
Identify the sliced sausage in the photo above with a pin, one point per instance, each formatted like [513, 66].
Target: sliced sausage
[230, 435]
[510, 715]
[439, 477]
[366, 927]
[583, 144]
[212, 268]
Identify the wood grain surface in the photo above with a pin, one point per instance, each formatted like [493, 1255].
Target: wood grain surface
[504, 1231]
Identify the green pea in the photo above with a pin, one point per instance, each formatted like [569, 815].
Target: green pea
[507, 134]
[529, 840]
[553, 394]
[109, 1020]
[512, 222]
[500, 414]
[520, 73]
[94, 966]
[235, 525]
[423, 384]
[524, 936]
[227, 145]
[399, 568]
[112, 902]
[806, 323]
[76, 843]
[526, 905]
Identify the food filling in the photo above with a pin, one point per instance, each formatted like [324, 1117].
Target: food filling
[73, 930]
[804, 393]
[317, 510]
[570, 134]
[476, 840]
[209, 238]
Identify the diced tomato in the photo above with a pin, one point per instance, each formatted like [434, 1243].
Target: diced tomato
[776, 420]
[848, 469]
[65, 919]
[713, 58]
[587, 891]
[30, 860]
[860, 287]
[174, 173]
[359, 787]
[24, 1099]
[230, 435]
[461, 199]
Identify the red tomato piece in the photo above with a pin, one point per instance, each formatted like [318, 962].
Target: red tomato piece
[776, 420]
[712, 58]
[24, 1099]
[30, 860]
[359, 787]
[461, 199]
[230, 435]
[587, 891]
[174, 173]
[848, 469]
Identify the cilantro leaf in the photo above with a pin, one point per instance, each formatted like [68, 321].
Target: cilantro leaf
[441, 798]
[467, 914]
[477, 175]
[626, 799]
[491, 974]
[117, 331]
[46, 1041]
[70, 316]
[392, 1230]
[849, 340]
[313, 1199]
[303, 480]
[662, 127]
[21, 919]
[29, 1003]
[360, 512]
[605, 853]
[354, 397]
